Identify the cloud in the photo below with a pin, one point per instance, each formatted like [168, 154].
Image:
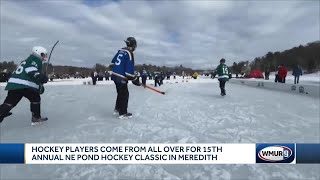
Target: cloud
[192, 33]
[77, 60]
[28, 39]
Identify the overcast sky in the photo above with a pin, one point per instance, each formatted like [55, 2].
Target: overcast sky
[196, 34]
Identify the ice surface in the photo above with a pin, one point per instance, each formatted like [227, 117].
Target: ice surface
[192, 112]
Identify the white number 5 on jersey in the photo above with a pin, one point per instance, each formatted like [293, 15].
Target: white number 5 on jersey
[118, 60]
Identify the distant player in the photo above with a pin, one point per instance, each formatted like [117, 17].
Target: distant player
[161, 77]
[27, 81]
[157, 79]
[224, 75]
[123, 70]
[144, 76]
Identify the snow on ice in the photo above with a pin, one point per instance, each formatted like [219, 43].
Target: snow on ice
[192, 112]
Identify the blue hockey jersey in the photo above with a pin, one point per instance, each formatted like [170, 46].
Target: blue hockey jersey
[123, 66]
[144, 73]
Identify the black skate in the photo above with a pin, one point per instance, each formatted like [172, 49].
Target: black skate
[37, 121]
[223, 92]
[4, 116]
[125, 116]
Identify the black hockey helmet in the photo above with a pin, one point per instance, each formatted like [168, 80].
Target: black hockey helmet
[222, 60]
[131, 42]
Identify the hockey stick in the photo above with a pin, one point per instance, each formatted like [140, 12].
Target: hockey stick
[155, 90]
[41, 88]
[46, 70]
[161, 92]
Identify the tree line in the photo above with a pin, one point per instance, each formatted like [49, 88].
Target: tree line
[85, 71]
[9, 66]
[308, 57]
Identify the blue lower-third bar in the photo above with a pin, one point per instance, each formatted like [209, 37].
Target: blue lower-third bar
[308, 153]
[11, 153]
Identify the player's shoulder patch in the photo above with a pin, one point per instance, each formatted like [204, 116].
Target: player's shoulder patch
[127, 52]
[33, 63]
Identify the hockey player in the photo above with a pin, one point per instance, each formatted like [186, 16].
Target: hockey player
[123, 70]
[162, 76]
[144, 76]
[27, 81]
[157, 81]
[224, 75]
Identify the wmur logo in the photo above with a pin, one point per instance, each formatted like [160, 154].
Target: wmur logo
[275, 153]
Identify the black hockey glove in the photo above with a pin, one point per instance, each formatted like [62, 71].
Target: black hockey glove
[230, 76]
[214, 75]
[41, 78]
[41, 89]
[136, 82]
[137, 74]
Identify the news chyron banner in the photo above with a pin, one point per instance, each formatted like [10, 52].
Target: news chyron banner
[158, 153]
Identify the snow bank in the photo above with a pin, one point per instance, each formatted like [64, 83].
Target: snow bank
[313, 78]
[311, 90]
[88, 81]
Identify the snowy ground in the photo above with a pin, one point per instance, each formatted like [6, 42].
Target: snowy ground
[313, 78]
[190, 112]
[305, 78]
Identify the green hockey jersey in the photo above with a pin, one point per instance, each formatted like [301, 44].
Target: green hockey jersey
[223, 71]
[23, 76]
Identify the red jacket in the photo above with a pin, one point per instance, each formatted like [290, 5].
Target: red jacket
[282, 72]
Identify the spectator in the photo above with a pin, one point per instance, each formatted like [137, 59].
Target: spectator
[4, 76]
[94, 77]
[267, 74]
[107, 75]
[282, 73]
[157, 80]
[276, 79]
[297, 72]
[144, 76]
[162, 76]
[100, 76]
[246, 69]
[168, 75]
[195, 75]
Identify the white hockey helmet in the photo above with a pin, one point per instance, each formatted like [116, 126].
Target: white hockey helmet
[40, 52]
